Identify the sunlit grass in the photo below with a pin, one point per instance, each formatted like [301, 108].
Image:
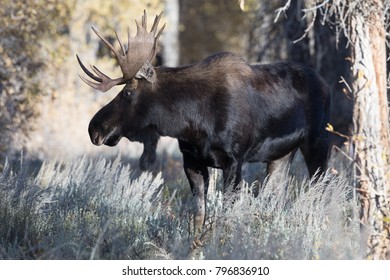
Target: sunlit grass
[99, 209]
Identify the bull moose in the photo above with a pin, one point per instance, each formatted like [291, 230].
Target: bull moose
[222, 110]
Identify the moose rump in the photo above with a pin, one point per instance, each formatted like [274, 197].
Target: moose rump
[291, 111]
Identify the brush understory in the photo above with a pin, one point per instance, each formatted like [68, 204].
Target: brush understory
[99, 209]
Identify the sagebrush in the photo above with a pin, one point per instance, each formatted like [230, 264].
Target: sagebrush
[100, 209]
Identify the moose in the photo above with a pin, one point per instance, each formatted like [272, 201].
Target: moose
[223, 111]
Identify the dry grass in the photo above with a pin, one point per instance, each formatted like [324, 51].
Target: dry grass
[100, 209]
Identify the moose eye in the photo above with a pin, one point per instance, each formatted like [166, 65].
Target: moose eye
[128, 93]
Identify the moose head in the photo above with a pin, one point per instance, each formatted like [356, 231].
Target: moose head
[120, 118]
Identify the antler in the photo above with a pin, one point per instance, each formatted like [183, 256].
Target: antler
[139, 54]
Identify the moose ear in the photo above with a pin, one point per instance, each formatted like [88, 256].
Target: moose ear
[147, 72]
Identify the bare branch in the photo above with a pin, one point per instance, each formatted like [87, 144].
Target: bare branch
[308, 28]
[316, 7]
[345, 83]
[282, 10]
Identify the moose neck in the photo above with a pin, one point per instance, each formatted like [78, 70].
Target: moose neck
[175, 101]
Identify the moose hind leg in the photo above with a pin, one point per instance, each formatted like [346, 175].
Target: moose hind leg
[232, 176]
[280, 164]
[276, 166]
[316, 155]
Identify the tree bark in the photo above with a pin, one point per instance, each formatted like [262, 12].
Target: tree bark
[371, 125]
[171, 34]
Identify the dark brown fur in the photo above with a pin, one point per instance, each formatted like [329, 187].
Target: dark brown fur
[224, 112]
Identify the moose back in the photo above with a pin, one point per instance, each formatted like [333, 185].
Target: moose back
[223, 111]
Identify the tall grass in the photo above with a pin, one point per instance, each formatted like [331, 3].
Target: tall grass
[99, 209]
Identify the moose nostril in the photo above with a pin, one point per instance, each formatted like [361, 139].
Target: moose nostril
[95, 137]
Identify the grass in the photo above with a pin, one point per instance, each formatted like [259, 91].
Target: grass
[102, 209]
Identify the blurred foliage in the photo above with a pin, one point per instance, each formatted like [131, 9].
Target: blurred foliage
[23, 26]
[208, 27]
[39, 40]
[108, 17]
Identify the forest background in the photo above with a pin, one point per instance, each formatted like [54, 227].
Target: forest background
[46, 108]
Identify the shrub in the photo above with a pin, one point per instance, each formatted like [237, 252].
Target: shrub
[98, 209]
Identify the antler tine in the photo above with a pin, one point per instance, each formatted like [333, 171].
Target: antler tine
[108, 44]
[153, 32]
[104, 82]
[120, 43]
[156, 22]
[139, 27]
[152, 55]
[144, 20]
[141, 49]
[89, 73]
[128, 38]
[90, 83]
[159, 33]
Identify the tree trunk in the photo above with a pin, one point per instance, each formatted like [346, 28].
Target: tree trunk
[171, 34]
[371, 126]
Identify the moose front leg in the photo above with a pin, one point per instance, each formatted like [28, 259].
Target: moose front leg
[148, 156]
[198, 177]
